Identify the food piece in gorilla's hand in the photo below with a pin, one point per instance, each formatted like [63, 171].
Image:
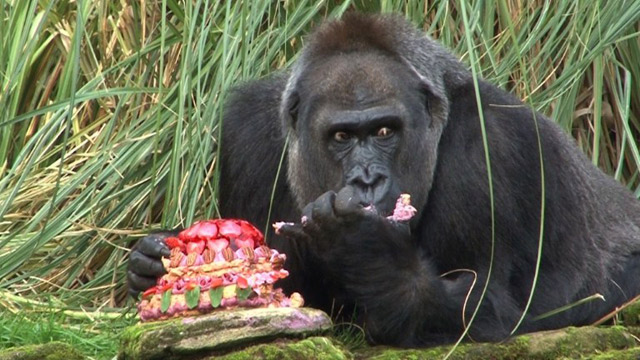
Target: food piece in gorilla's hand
[403, 211]
[217, 264]
[279, 224]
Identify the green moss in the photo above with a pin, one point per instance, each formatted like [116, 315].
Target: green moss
[510, 350]
[627, 354]
[567, 343]
[51, 351]
[313, 348]
[630, 316]
[131, 346]
[574, 342]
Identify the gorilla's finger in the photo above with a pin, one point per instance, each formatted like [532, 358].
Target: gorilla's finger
[347, 202]
[293, 231]
[307, 214]
[309, 226]
[322, 211]
[144, 265]
[154, 246]
[139, 283]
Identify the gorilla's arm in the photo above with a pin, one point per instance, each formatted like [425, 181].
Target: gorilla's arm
[251, 150]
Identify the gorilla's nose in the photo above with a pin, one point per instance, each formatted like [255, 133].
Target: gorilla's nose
[369, 182]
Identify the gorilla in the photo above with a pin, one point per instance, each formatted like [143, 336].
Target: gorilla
[502, 237]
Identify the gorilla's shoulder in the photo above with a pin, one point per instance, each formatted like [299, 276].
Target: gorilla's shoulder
[509, 122]
[251, 147]
[251, 117]
[255, 103]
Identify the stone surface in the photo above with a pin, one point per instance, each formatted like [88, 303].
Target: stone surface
[570, 343]
[313, 348]
[218, 332]
[597, 343]
[282, 334]
[51, 351]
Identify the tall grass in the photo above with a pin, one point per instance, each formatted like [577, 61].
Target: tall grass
[110, 111]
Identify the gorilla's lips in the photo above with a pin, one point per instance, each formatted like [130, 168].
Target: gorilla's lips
[373, 194]
[217, 264]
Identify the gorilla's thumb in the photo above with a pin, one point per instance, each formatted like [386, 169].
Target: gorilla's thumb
[347, 202]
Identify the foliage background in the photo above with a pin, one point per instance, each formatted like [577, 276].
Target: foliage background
[110, 110]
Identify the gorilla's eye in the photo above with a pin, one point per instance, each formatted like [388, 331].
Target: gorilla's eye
[341, 136]
[384, 132]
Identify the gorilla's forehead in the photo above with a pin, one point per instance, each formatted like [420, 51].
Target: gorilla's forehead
[357, 80]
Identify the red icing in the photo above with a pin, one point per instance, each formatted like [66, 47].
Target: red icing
[242, 282]
[191, 286]
[195, 247]
[174, 242]
[218, 234]
[217, 244]
[230, 229]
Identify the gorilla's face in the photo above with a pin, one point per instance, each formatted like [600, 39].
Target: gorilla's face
[360, 120]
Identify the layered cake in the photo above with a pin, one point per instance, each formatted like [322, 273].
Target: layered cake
[214, 265]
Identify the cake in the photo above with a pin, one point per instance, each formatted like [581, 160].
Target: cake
[217, 265]
[403, 210]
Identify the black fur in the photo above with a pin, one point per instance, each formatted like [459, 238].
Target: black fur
[408, 285]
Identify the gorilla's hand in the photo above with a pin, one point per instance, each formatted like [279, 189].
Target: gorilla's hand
[353, 242]
[145, 266]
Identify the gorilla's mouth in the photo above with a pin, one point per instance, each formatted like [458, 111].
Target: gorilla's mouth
[380, 197]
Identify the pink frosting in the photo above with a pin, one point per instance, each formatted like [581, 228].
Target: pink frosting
[403, 210]
[204, 282]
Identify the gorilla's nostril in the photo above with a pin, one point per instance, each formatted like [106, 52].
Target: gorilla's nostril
[365, 176]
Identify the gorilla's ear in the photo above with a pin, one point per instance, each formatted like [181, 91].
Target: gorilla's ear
[437, 101]
[290, 110]
[290, 101]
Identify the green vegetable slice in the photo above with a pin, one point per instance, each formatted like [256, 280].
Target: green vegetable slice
[192, 297]
[166, 301]
[216, 296]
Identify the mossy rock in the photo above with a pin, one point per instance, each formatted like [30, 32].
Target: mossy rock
[630, 315]
[569, 343]
[240, 335]
[181, 338]
[626, 354]
[313, 348]
[50, 351]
